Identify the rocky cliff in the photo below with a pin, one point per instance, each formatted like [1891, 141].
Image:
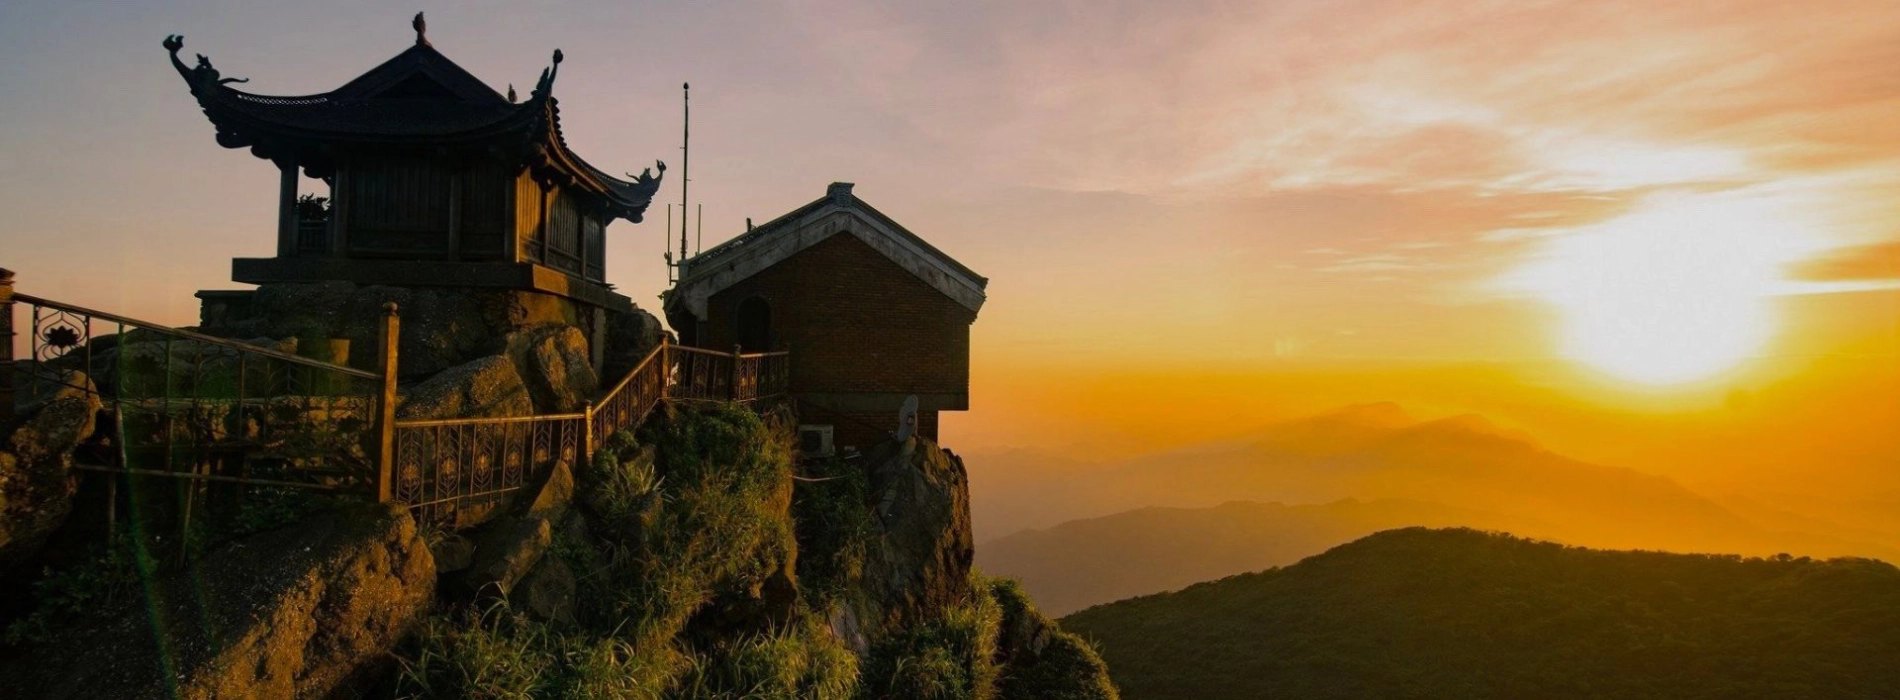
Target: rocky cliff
[699, 559]
[694, 558]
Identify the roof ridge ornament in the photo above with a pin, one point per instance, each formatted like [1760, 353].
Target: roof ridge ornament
[422, 30]
[647, 178]
[201, 76]
[545, 85]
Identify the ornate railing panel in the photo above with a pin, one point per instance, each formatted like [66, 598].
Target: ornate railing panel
[628, 402]
[697, 373]
[760, 375]
[445, 466]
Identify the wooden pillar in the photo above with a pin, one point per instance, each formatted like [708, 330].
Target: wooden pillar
[386, 407]
[580, 234]
[287, 209]
[547, 216]
[7, 369]
[340, 212]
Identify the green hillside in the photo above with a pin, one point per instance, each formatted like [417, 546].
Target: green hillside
[1462, 613]
[1099, 560]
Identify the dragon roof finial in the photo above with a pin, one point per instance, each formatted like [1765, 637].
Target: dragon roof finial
[422, 30]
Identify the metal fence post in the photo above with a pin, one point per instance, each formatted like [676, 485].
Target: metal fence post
[587, 434]
[6, 344]
[666, 366]
[386, 407]
[738, 358]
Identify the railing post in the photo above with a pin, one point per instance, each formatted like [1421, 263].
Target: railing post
[386, 407]
[6, 345]
[666, 365]
[738, 357]
[587, 435]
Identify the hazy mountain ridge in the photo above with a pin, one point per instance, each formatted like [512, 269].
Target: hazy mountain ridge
[1087, 562]
[1135, 531]
[1460, 613]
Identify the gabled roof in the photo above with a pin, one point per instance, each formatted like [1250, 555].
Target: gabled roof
[421, 60]
[838, 212]
[419, 97]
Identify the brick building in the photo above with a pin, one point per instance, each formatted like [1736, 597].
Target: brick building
[870, 313]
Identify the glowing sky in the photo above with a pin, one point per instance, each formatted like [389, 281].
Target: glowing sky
[1188, 186]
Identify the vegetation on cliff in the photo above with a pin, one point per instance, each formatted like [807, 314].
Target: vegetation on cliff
[1462, 613]
[702, 570]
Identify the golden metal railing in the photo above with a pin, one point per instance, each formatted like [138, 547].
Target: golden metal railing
[443, 466]
[198, 407]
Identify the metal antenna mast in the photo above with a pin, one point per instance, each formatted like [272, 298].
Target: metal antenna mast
[686, 163]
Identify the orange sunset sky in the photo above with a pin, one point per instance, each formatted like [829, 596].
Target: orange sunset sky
[1661, 235]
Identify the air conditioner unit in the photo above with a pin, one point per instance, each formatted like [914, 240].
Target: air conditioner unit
[815, 441]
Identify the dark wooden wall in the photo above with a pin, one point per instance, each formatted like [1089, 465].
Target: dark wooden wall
[564, 233]
[398, 206]
[405, 206]
[487, 194]
[424, 207]
[859, 327]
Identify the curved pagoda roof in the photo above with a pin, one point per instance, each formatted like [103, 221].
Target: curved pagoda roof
[417, 98]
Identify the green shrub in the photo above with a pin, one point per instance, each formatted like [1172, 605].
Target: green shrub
[951, 657]
[496, 655]
[272, 507]
[1066, 668]
[832, 513]
[706, 520]
[618, 487]
[803, 660]
[104, 575]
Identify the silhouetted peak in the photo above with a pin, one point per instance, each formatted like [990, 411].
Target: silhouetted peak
[1470, 424]
[1384, 414]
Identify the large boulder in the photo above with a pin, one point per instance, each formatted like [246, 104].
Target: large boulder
[306, 611]
[919, 560]
[488, 387]
[547, 592]
[441, 326]
[506, 550]
[146, 363]
[630, 336]
[555, 363]
[37, 481]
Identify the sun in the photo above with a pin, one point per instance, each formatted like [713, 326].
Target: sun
[1675, 291]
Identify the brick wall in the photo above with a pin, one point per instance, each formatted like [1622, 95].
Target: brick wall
[855, 322]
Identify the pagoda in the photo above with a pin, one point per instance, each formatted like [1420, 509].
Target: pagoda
[434, 180]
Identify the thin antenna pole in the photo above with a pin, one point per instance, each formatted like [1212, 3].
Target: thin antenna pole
[686, 162]
[699, 229]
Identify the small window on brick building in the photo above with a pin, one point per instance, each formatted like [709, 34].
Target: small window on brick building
[755, 325]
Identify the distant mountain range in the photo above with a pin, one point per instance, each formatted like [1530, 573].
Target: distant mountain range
[1460, 613]
[1087, 562]
[1167, 520]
